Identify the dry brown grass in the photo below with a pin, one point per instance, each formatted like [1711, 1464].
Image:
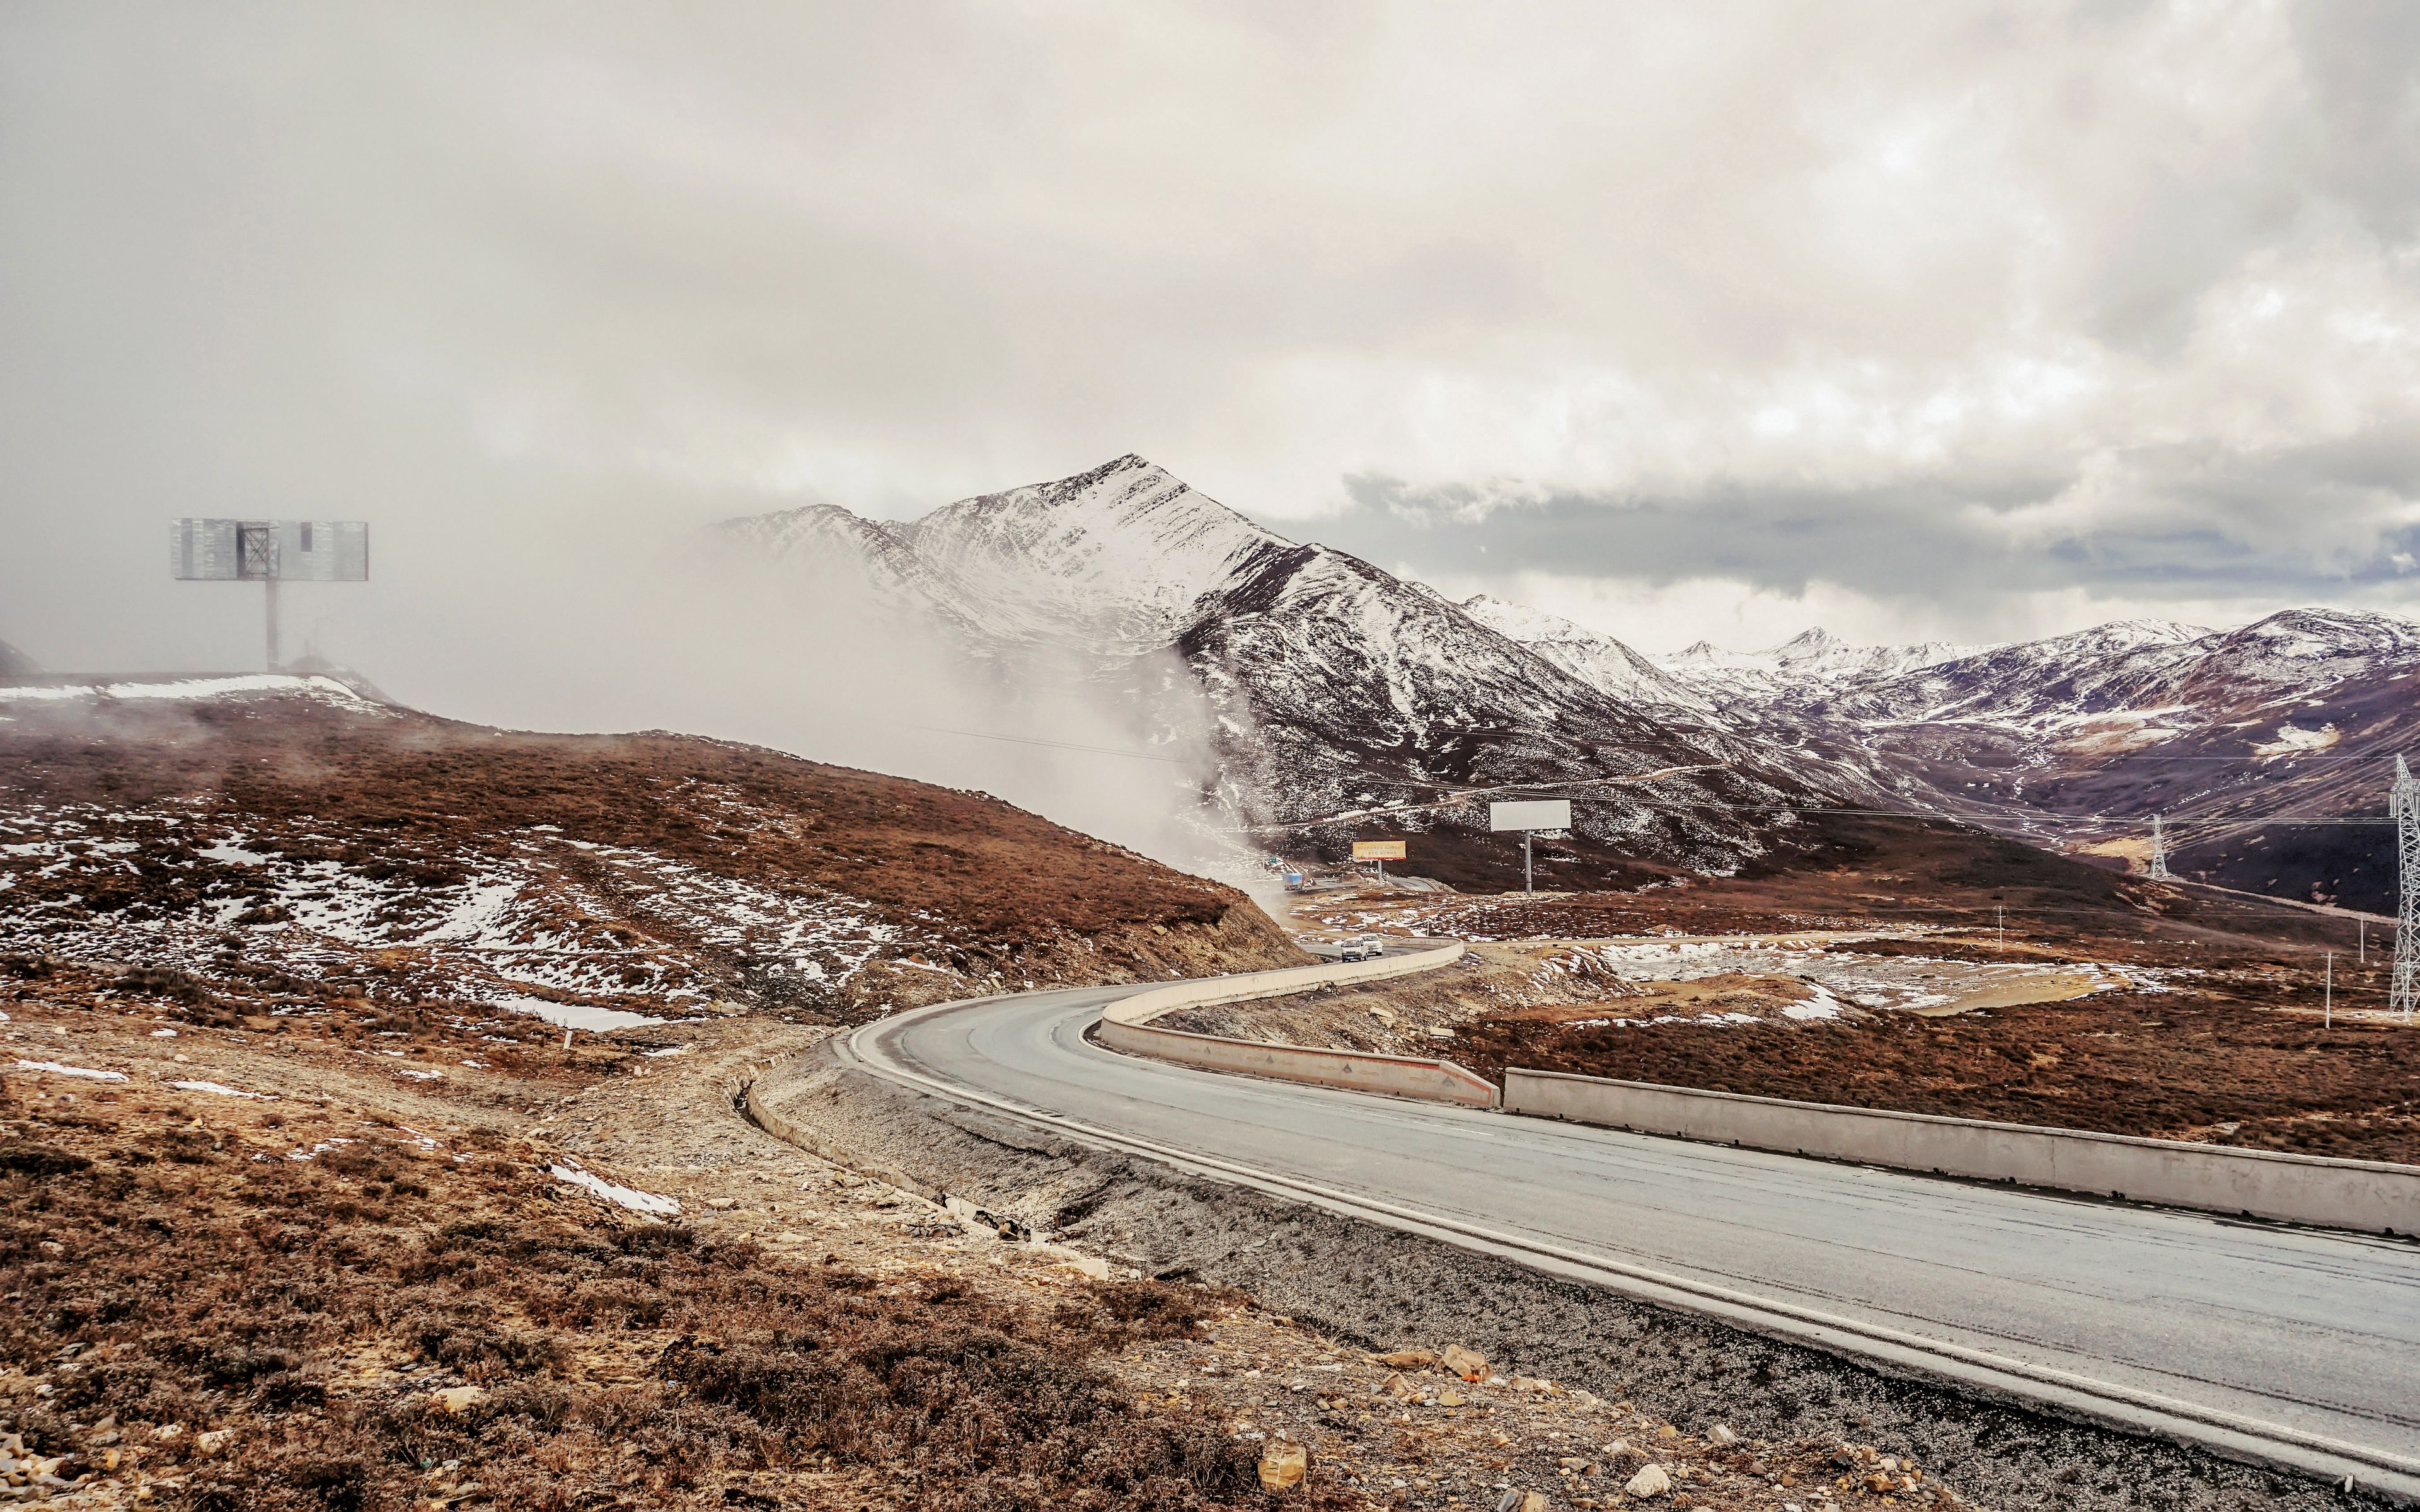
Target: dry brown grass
[161, 1270]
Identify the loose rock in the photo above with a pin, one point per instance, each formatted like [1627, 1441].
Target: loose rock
[1650, 1481]
[1467, 1364]
[1284, 1465]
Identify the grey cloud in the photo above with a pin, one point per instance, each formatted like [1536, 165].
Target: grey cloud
[499, 283]
[2198, 525]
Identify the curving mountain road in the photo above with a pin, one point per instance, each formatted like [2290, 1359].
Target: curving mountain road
[2287, 1346]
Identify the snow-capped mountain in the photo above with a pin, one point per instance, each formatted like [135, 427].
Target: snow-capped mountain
[1334, 687]
[2075, 740]
[15, 663]
[1111, 558]
[1808, 665]
[1594, 658]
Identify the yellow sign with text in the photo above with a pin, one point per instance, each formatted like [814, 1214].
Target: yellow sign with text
[1377, 850]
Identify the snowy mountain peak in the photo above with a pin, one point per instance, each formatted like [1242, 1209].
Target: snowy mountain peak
[1112, 556]
[1813, 659]
[1812, 642]
[1595, 659]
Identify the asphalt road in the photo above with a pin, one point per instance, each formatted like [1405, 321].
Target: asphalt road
[2317, 1331]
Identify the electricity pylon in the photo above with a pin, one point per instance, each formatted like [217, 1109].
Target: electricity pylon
[2403, 989]
[2160, 852]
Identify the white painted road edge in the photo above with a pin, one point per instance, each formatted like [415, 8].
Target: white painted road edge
[2231, 1435]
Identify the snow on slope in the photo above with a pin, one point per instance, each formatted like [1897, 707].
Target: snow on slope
[1111, 558]
[1333, 684]
[189, 690]
[1599, 660]
[1808, 664]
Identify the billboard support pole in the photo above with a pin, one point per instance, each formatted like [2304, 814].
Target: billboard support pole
[271, 550]
[1528, 817]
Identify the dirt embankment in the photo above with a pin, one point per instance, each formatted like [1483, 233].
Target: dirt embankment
[403, 857]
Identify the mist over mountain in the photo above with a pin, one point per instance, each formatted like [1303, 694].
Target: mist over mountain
[1340, 696]
[1334, 688]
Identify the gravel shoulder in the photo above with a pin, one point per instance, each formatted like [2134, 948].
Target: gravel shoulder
[1623, 1369]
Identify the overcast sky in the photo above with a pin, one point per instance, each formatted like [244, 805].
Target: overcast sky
[1917, 320]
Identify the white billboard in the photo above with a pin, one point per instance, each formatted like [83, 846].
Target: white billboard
[289, 551]
[1533, 813]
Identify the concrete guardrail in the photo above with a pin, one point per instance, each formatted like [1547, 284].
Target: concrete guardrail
[2373, 1197]
[1126, 1026]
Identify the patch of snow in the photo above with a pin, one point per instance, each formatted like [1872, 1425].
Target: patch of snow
[624, 1196]
[55, 1068]
[2292, 740]
[189, 688]
[219, 1089]
[571, 1015]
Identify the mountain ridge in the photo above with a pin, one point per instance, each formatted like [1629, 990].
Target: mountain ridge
[1336, 686]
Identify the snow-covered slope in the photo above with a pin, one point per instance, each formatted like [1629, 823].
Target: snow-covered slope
[1111, 558]
[833, 552]
[1595, 659]
[1333, 685]
[1806, 666]
[2076, 739]
[1337, 688]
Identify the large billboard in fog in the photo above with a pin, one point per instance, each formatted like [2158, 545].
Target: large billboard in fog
[291, 551]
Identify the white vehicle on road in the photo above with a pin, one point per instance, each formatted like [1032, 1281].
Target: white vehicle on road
[1362, 948]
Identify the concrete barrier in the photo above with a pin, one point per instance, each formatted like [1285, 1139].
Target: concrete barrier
[2373, 1197]
[1126, 1026]
[1208, 992]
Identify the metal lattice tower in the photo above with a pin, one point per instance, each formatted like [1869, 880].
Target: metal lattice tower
[2159, 871]
[2403, 990]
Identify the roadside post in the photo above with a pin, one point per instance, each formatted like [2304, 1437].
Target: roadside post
[1528, 816]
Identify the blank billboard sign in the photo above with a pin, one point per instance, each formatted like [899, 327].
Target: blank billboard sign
[1535, 813]
[1377, 850]
[285, 550]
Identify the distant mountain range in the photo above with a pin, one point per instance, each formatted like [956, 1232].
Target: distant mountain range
[1338, 689]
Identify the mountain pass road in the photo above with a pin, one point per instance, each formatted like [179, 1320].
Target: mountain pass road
[2252, 1335]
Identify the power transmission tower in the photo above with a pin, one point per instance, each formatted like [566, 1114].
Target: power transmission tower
[2160, 852]
[2403, 990]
